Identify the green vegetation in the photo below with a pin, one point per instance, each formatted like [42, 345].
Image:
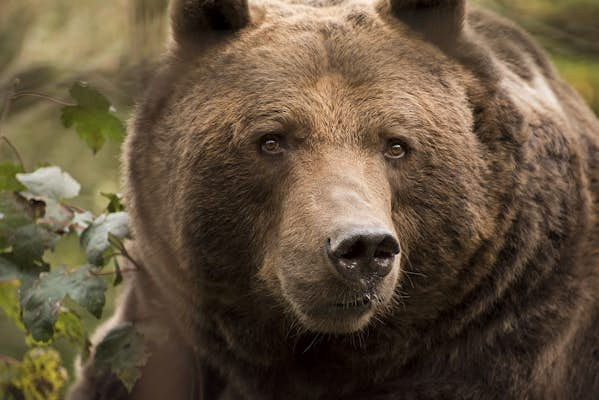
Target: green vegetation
[45, 300]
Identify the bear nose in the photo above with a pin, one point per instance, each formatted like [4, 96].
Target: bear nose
[363, 254]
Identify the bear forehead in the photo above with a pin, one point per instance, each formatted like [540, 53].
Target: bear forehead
[337, 66]
[344, 36]
[327, 7]
[300, 42]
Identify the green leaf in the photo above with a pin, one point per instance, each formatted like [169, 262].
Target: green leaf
[50, 182]
[13, 215]
[88, 96]
[9, 302]
[70, 326]
[118, 274]
[123, 351]
[9, 373]
[92, 117]
[8, 179]
[114, 202]
[42, 301]
[30, 242]
[9, 271]
[95, 238]
[25, 272]
[22, 241]
[40, 375]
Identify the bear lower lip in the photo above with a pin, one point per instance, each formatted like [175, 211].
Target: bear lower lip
[360, 303]
[339, 318]
[350, 309]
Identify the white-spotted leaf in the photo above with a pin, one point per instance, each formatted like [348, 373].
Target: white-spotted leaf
[41, 301]
[50, 182]
[95, 238]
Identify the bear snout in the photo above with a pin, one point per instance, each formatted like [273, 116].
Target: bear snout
[337, 283]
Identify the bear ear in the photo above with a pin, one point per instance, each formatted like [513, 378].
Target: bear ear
[440, 21]
[191, 20]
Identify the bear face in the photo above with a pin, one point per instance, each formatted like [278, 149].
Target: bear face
[315, 153]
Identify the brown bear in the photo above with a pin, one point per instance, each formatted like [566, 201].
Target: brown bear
[352, 199]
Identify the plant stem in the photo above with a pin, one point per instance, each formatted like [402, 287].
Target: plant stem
[3, 115]
[9, 360]
[25, 93]
[118, 243]
[5, 107]
[14, 150]
[123, 270]
[74, 208]
[128, 257]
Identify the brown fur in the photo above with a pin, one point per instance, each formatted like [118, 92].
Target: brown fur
[494, 205]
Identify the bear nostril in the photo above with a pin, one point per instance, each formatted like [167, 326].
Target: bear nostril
[387, 248]
[363, 254]
[356, 250]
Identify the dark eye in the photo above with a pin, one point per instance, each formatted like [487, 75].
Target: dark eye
[272, 145]
[395, 150]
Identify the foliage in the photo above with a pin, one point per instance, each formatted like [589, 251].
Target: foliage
[42, 301]
[40, 376]
[92, 117]
[123, 350]
[48, 301]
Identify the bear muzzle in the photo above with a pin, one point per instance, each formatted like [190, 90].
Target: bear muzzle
[352, 279]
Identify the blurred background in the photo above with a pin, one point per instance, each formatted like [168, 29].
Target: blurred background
[49, 44]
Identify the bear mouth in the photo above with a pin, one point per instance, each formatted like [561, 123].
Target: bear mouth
[343, 316]
[365, 302]
[346, 309]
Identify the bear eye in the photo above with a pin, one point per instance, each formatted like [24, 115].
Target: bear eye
[272, 145]
[395, 149]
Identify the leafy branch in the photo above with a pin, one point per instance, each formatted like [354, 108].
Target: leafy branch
[46, 301]
[91, 114]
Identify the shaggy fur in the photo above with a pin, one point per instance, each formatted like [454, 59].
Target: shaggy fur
[495, 293]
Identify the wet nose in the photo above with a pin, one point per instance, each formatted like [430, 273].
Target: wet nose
[363, 253]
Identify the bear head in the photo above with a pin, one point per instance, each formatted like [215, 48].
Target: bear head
[313, 163]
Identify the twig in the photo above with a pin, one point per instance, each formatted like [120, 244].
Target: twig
[24, 93]
[50, 221]
[9, 360]
[116, 242]
[3, 115]
[74, 208]
[107, 273]
[111, 255]
[6, 106]
[128, 257]
[14, 150]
